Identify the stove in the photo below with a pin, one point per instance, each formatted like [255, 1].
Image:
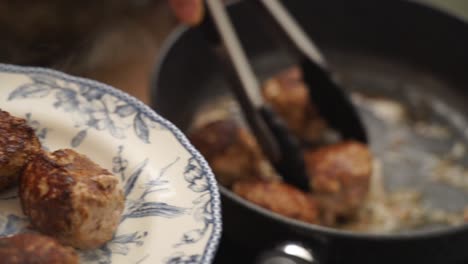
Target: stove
[233, 253]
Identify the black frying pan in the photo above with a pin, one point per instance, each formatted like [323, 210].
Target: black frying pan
[394, 49]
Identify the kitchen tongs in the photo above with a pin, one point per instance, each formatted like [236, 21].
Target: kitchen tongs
[277, 142]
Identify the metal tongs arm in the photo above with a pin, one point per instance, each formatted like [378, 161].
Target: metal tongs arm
[281, 148]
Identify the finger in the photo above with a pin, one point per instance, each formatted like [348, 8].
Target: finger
[188, 11]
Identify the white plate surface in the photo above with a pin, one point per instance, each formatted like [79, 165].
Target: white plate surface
[172, 211]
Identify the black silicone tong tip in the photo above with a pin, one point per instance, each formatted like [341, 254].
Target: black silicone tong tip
[292, 163]
[333, 102]
[326, 93]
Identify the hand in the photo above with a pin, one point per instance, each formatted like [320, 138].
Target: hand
[189, 12]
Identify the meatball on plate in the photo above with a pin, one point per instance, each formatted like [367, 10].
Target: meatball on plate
[96, 170]
[35, 248]
[18, 143]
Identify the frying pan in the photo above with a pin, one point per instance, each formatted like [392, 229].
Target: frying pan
[395, 49]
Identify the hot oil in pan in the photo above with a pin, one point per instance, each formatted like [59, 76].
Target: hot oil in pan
[420, 176]
[417, 131]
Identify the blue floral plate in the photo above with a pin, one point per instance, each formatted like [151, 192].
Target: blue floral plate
[172, 212]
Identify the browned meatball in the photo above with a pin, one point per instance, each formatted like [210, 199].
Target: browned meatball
[35, 249]
[232, 152]
[17, 144]
[280, 198]
[340, 176]
[69, 197]
[289, 97]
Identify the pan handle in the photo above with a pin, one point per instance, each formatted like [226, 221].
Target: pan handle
[288, 253]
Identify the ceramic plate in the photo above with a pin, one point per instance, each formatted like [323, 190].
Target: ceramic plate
[172, 210]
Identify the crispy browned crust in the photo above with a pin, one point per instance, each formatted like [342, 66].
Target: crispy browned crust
[340, 176]
[18, 144]
[35, 249]
[232, 152]
[59, 192]
[280, 198]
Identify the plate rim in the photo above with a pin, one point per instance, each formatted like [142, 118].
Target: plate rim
[213, 242]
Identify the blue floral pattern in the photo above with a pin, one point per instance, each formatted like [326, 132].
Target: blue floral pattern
[134, 208]
[181, 258]
[11, 223]
[41, 132]
[126, 126]
[91, 108]
[202, 210]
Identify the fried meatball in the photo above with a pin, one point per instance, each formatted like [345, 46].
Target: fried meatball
[289, 97]
[232, 152]
[69, 197]
[280, 198]
[340, 176]
[18, 144]
[35, 249]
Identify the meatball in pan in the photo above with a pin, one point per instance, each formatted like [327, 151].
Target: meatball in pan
[69, 197]
[289, 97]
[232, 152]
[340, 176]
[280, 198]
